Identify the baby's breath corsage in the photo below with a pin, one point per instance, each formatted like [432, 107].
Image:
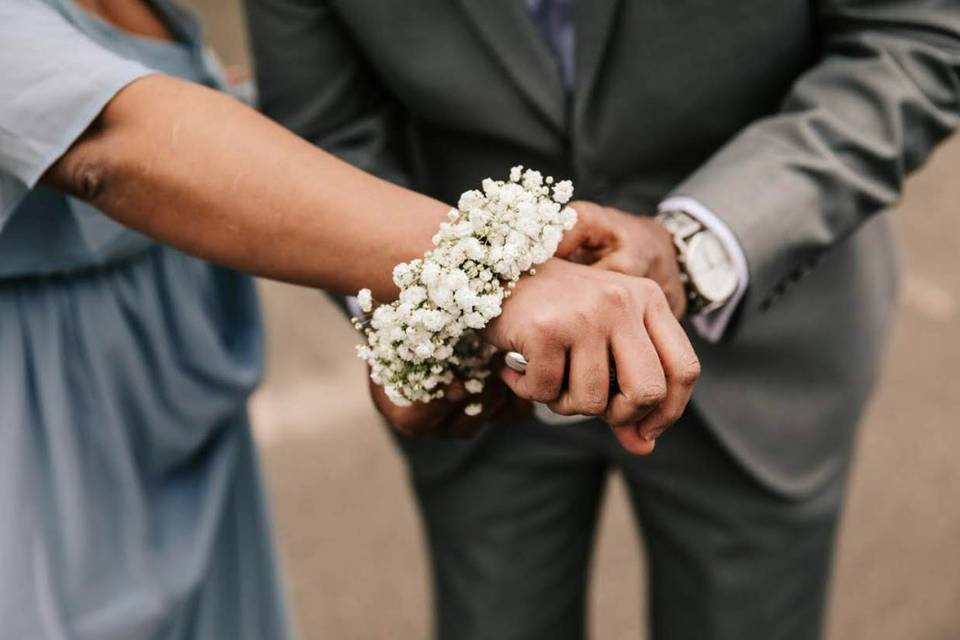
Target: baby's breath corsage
[430, 335]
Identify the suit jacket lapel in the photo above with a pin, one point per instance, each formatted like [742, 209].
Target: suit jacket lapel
[510, 33]
[594, 21]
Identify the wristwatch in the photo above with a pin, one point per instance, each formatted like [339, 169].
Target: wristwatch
[707, 271]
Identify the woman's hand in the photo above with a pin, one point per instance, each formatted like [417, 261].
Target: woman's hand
[446, 417]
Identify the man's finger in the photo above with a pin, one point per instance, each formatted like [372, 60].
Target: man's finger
[667, 274]
[630, 439]
[573, 240]
[588, 385]
[680, 366]
[642, 386]
[589, 238]
[543, 380]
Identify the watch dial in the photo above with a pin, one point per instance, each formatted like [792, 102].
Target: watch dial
[709, 267]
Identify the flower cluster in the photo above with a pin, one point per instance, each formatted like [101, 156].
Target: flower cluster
[430, 335]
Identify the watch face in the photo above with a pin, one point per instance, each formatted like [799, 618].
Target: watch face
[709, 267]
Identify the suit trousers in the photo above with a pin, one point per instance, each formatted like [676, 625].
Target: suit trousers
[511, 528]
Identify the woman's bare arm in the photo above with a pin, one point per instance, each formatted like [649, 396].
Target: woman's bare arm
[198, 170]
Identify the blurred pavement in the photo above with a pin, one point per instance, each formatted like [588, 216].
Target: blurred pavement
[348, 527]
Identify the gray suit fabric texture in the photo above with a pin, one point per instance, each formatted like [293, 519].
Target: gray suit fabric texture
[795, 122]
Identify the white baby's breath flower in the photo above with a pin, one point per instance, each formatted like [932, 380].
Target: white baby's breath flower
[462, 229]
[365, 300]
[552, 234]
[452, 257]
[474, 320]
[473, 248]
[383, 316]
[563, 191]
[430, 273]
[532, 179]
[442, 296]
[529, 227]
[424, 350]
[413, 295]
[395, 396]
[473, 409]
[465, 298]
[434, 320]
[470, 200]
[489, 306]
[509, 193]
[473, 386]
[478, 219]
[402, 275]
[403, 311]
[548, 210]
[428, 337]
[456, 279]
[541, 254]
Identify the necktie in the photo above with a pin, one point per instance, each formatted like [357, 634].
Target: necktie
[555, 21]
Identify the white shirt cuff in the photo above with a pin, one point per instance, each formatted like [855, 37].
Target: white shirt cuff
[711, 326]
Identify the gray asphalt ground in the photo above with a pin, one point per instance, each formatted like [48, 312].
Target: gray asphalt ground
[348, 527]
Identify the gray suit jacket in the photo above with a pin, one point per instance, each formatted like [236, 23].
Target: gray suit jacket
[794, 121]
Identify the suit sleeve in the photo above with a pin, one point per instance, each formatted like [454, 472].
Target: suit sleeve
[885, 92]
[313, 80]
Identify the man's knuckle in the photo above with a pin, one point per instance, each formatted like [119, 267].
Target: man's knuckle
[647, 394]
[546, 326]
[673, 414]
[543, 393]
[653, 293]
[579, 320]
[615, 295]
[593, 404]
[546, 389]
[689, 372]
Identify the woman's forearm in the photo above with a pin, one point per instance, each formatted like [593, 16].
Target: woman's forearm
[199, 171]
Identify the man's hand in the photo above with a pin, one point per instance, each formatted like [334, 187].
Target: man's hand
[445, 417]
[618, 241]
[571, 322]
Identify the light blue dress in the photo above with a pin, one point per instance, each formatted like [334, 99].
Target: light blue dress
[132, 505]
